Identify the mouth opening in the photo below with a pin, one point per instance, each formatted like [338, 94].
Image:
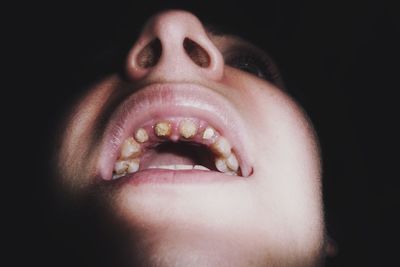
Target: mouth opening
[176, 144]
[179, 155]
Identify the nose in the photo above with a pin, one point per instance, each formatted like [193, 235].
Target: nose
[174, 46]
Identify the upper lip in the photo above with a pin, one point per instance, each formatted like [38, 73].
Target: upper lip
[172, 99]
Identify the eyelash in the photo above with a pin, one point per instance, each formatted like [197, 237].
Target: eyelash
[253, 63]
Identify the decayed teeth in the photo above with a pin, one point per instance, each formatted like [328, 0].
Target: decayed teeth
[141, 135]
[187, 129]
[222, 147]
[128, 161]
[120, 167]
[123, 167]
[162, 129]
[225, 161]
[130, 148]
[208, 133]
[133, 165]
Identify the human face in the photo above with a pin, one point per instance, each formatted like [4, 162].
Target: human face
[187, 98]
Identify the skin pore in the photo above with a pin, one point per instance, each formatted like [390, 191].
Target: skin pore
[268, 214]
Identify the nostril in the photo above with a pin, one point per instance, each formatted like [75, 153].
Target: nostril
[198, 55]
[150, 54]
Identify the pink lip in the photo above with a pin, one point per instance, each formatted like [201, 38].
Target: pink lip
[167, 100]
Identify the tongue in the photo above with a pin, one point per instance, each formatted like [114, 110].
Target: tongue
[168, 158]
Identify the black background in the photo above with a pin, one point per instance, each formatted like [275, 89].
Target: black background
[339, 60]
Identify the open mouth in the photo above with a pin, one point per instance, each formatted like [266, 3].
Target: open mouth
[176, 144]
[174, 128]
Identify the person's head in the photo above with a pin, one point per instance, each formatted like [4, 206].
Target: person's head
[198, 152]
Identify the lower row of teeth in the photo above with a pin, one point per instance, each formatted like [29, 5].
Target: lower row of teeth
[131, 149]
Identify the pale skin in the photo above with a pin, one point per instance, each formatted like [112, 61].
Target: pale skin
[271, 214]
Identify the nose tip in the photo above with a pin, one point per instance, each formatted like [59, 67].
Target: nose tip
[174, 46]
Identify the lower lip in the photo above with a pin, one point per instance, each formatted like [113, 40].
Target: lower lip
[161, 176]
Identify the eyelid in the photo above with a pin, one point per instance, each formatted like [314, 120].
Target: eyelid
[256, 56]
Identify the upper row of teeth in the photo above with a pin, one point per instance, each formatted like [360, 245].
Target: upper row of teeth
[132, 148]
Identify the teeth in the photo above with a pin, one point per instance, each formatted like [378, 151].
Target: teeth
[120, 167]
[222, 147]
[187, 129]
[228, 165]
[116, 176]
[123, 167]
[232, 163]
[165, 167]
[200, 167]
[183, 167]
[220, 164]
[180, 167]
[162, 129]
[141, 135]
[133, 165]
[173, 167]
[129, 161]
[130, 148]
[208, 133]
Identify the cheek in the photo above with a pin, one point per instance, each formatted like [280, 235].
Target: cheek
[287, 171]
[289, 168]
[78, 134]
[288, 184]
[280, 133]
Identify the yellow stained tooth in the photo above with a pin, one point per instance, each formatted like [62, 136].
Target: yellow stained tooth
[187, 129]
[130, 148]
[162, 129]
[208, 133]
[220, 164]
[120, 167]
[141, 135]
[222, 147]
[133, 165]
[232, 163]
